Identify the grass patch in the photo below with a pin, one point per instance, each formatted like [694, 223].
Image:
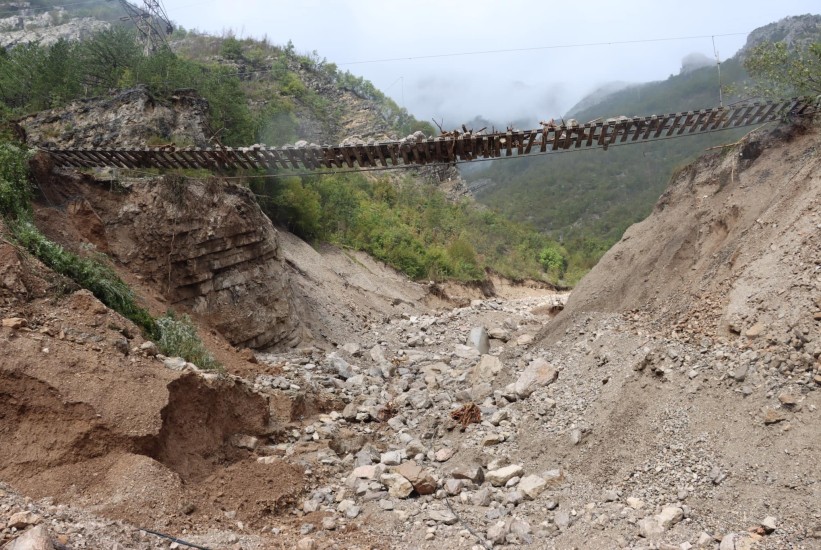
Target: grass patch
[178, 338]
[89, 273]
[175, 336]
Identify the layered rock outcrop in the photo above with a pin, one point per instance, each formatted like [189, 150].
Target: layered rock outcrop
[208, 247]
[129, 118]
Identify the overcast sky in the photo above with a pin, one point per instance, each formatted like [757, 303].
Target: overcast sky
[403, 47]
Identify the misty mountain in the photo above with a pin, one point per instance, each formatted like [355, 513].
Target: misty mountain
[588, 198]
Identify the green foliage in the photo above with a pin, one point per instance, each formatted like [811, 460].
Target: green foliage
[409, 225]
[587, 199]
[554, 259]
[231, 48]
[779, 70]
[292, 204]
[178, 338]
[91, 274]
[34, 77]
[15, 189]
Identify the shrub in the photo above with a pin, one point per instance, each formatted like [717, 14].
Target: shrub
[15, 190]
[91, 274]
[178, 338]
[780, 70]
[553, 259]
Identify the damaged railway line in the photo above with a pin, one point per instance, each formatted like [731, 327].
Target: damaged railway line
[449, 148]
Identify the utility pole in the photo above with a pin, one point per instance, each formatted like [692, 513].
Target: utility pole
[151, 22]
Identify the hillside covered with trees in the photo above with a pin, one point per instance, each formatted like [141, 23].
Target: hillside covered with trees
[587, 199]
[258, 92]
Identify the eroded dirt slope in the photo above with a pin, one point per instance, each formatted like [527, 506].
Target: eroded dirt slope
[202, 246]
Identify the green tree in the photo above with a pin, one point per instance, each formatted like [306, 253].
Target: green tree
[779, 70]
[553, 259]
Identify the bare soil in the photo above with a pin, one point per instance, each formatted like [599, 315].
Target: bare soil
[688, 376]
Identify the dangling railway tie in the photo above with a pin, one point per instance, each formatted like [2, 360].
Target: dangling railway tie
[444, 149]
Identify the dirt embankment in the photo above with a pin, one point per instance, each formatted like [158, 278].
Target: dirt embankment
[732, 242]
[88, 418]
[201, 246]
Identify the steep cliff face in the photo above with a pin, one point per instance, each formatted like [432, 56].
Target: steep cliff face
[204, 245]
[45, 27]
[798, 30]
[129, 118]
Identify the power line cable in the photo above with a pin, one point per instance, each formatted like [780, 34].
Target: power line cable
[513, 50]
[537, 48]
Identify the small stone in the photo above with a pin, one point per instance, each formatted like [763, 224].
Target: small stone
[650, 528]
[306, 543]
[499, 416]
[398, 486]
[443, 516]
[575, 436]
[36, 538]
[755, 330]
[482, 497]
[532, 486]
[14, 323]
[635, 503]
[391, 458]
[352, 512]
[704, 539]
[454, 486]
[366, 472]
[539, 373]
[422, 481]
[386, 504]
[492, 439]
[444, 454]
[769, 524]
[486, 370]
[248, 442]
[21, 520]
[478, 339]
[503, 475]
[562, 520]
[328, 523]
[669, 516]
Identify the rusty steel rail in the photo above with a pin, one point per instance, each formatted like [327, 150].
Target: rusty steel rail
[443, 149]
